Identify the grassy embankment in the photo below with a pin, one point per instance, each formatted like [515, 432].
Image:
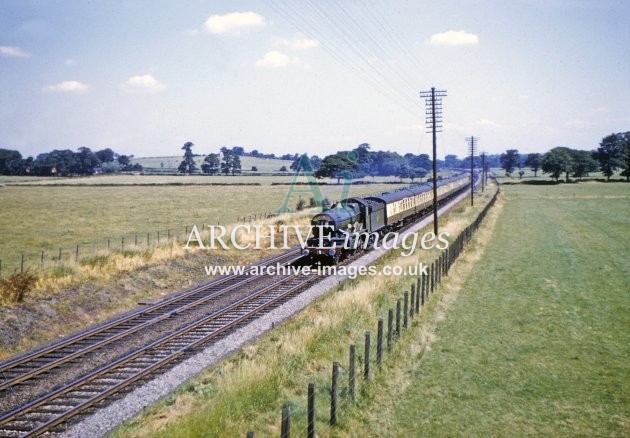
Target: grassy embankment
[246, 391]
[528, 336]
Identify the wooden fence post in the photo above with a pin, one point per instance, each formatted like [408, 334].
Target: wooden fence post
[158, 237]
[333, 394]
[406, 310]
[136, 241]
[285, 425]
[366, 365]
[148, 237]
[311, 411]
[22, 264]
[122, 243]
[59, 254]
[398, 318]
[413, 300]
[379, 344]
[41, 264]
[108, 244]
[418, 296]
[76, 256]
[390, 323]
[351, 382]
[0, 268]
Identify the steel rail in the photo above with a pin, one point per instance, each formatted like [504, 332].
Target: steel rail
[176, 351]
[138, 314]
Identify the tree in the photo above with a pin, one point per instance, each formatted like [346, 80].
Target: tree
[626, 156]
[105, 155]
[533, 162]
[124, 161]
[211, 164]
[236, 165]
[188, 163]
[333, 166]
[316, 162]
[510, 161]
[557, 161]
[610, 154]
[254, 169]
[226, 162]
[10, 162]
[283, 169]
[238, 150]
[583, 163]
[86, 161]
[452, 162]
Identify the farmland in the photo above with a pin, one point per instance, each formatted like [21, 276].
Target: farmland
[528, 336]
[170, 164]
[46, 218]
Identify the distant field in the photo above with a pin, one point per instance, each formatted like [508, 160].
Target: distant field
[529, 175]
[170, 164]
[153, 179]
[35, 218]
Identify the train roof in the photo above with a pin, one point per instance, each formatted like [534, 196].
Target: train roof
[417, 189]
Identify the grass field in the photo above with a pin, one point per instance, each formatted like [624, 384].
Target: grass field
[153, 179]
[33, 219]
[528, 336]
[170, 164]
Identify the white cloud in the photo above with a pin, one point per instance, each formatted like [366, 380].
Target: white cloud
[13, 52]
[143, 84]
[275, 59]
[70, 61]
[67, 87]
[299, 42]
[233, 22]
[454, 38]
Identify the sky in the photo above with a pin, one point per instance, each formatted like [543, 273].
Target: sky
[316, 76]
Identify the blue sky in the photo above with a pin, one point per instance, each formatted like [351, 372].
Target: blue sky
[315, 76]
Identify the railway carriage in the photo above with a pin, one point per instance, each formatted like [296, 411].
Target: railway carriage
[366, 218]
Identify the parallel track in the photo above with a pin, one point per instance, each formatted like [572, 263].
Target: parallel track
[27, 367]
[55, 408]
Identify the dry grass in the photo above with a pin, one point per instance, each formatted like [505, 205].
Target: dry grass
[14, 288]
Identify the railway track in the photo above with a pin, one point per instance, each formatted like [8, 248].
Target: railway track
[52, 410]
[57, 407]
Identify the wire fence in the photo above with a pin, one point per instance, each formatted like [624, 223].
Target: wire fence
[350, 376]
[93, 252]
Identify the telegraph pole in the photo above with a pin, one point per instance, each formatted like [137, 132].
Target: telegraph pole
[433, 119]
[472, 146]
[483, 171]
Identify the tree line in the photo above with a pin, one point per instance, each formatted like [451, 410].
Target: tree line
[613, 154]
[64, 162]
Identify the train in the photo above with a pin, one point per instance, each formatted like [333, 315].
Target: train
[353, 224]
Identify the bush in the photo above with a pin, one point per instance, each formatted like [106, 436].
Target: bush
[14, 288]
[300, 205]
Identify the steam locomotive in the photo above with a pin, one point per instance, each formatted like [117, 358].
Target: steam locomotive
[355, 223]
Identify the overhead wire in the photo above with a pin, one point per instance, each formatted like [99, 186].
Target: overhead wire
[372, 75]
